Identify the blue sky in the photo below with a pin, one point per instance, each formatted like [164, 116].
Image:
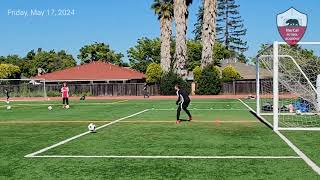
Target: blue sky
[121, 23]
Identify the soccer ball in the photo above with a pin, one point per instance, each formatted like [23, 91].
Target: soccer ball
[8, 107]
[298, 112]
[67, 106]
[92, 127]
[7, 102]
[50, 108]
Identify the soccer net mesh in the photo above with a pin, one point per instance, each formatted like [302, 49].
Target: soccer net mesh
[22, 88]
[297, 105]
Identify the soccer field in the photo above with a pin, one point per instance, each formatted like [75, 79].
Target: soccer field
[138, 139]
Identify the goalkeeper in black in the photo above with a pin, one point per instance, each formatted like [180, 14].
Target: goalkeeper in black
[183, 102]
[7, 94]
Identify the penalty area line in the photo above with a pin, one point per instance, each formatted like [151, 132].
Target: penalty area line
[169, 157]
[82, 134]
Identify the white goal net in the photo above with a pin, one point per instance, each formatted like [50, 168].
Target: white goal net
[288, 86]
[22, 88]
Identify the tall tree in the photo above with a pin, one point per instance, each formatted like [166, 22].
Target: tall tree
[145, 52]
[11, 59]
[198, 25]
[164, 10]
[180, 17]
[194, 54]
[48, 60]
[99, 51]
[9, 71]
[208, 31]
[230, 27]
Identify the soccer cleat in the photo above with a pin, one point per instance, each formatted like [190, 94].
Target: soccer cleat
[190, 118]
[178, 121]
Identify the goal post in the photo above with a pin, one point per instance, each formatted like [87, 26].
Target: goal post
[23, 88]
[288, 86]
[275, 85]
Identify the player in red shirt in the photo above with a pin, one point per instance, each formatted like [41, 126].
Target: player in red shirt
[65, 95]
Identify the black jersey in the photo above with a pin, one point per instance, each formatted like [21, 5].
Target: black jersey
[7, 93]
[182, 96]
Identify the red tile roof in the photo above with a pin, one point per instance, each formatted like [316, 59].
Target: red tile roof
[93, 71]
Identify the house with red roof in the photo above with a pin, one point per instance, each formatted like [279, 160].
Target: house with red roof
[94, 72]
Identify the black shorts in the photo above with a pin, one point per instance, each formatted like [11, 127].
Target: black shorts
[185, 105]
[65, 100]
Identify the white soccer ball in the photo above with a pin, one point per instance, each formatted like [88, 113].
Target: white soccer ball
[92, 127]
[8, 107]
[7, 102]
[298, 112]
[50, 108]
[67, 106]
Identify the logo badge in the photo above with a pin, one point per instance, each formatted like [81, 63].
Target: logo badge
[292, 25]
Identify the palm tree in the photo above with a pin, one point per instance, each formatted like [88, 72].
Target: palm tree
[164, 10]
[208, 31]
[180, 17]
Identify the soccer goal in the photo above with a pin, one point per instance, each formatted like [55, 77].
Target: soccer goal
[23, 88]
[288, 86]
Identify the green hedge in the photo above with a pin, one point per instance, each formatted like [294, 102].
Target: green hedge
[154, 73]
[168, 82]
[229, 73]
[209, 82]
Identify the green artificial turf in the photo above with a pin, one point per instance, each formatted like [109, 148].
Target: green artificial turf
[220, 128]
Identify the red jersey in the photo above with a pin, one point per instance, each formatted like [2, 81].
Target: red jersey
[65, 92]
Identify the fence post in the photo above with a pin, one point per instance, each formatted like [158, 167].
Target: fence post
[234, 87]
[44, 90]
[193, 88]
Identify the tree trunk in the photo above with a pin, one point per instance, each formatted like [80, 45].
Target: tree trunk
[165, 43]
[180, 16]
[208, 31]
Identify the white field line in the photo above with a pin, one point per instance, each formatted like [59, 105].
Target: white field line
[79, 104]
[306, 159]
[82, 134]
[255, 113]
[219, 102]
[194, 102]
[26, 100]
[300, 129]
[171, 157]
[132, 121]
[196, 109]
[291, 114]
[49, 122]
[193, 121]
